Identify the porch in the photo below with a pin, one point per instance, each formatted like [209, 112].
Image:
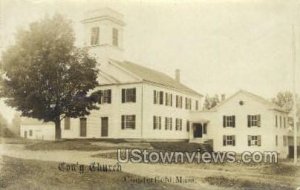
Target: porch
[199, 131]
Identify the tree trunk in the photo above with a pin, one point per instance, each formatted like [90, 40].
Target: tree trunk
[57, 129]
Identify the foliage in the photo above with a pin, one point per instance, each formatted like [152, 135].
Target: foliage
[46, 76]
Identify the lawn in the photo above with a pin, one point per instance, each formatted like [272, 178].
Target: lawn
[94, 145]
[42, 175]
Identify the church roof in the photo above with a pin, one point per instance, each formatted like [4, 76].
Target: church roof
[156, 77]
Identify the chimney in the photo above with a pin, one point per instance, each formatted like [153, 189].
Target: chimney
[223, 97]
[177, 75]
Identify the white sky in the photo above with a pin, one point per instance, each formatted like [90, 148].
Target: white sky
[220, 46]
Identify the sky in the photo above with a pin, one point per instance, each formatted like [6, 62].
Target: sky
[220, 46]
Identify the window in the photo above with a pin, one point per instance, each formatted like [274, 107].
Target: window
[158, 97]
[178, 101]
[115, 37]
[95, 36]
[30, 132]
[276, 121]
[128, 95]
[187, 125]
[83, 123]
[67, 123]
[229, 121]
[280, 121]
[254, 121]
[168, 123]
[276, 140]
[228, 140]
[197, 105]
[105, 97]
[156, 122]
[128, 121]
[168, 99]
[178, 126]
[254, 140]
[205, 128]
[188, 103]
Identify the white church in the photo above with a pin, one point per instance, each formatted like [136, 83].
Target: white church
[138, 103]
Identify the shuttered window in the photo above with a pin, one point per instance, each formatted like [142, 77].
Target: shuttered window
[178, 101]
[178, 124]
[228, 140]
[168, 123]
[128, 95]
[229, 121]
[105, 96]
[254, 121]
[128, 122]
[156, 122]
[254, 140]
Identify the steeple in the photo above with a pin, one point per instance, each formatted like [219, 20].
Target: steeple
[104, 34]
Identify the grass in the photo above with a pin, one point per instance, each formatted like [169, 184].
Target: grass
[236, 183]
[42, 175]
[94, 145]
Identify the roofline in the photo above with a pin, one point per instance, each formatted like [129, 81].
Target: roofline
[249, 93]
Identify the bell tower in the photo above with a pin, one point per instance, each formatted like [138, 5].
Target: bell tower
[104, 34]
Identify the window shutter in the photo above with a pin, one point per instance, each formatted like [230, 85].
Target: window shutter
[233, 118]
[100, 97]
[249, 121]
[224, 140]
[171, 96]
[258, 121]
[123, 122]
[154, 97]
[134, 94]
[233, 140]
[249, 140]
[134, 122]
[159, 122]
[154, 122]
[109, 96]
[161, 97]
[224, 121]
[123, 95]
[259, 140]
[166, 124]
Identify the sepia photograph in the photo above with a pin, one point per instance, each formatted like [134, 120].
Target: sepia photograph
[149, 94]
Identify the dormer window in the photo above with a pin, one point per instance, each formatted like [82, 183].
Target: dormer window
[95, 36]
[115, 37]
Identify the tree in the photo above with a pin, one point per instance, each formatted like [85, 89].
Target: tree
[211, 102]
[46, 76]
[15, 124]
[284, 100]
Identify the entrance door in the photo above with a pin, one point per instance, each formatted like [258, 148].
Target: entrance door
[104, 126]
[197, 130]
[82, 127]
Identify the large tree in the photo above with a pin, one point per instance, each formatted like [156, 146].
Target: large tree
[45, 76]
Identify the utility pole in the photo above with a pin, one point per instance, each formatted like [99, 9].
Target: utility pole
[294, 95]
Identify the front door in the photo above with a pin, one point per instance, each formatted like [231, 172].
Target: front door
[197, 130]
[104, 126]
